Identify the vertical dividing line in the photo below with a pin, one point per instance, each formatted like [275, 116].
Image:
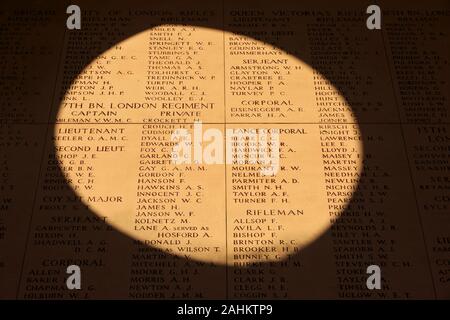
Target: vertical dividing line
[225, 154]
[225, 147]
[53, 101]
[405, 149]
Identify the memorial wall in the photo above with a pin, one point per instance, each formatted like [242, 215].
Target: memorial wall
[225, 150]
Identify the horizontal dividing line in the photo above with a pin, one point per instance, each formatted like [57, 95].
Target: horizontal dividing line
[221, 123]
